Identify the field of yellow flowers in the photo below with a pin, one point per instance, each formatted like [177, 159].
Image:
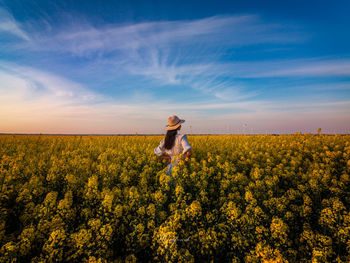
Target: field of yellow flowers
[241, 198]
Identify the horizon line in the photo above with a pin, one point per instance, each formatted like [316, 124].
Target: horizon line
[158, 134]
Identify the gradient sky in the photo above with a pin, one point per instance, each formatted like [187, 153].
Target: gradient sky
[126, 66]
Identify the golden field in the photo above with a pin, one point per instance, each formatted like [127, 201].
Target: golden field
[241, 198]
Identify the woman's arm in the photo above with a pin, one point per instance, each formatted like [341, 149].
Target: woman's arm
[187, 148]
[159, 151]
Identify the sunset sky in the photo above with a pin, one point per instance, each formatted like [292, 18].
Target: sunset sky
[112, 67]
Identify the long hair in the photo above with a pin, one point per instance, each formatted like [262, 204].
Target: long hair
[170, 139]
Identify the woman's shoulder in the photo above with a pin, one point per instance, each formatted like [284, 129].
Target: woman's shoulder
[180, 136]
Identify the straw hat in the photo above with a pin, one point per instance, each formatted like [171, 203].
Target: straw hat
[174, 122]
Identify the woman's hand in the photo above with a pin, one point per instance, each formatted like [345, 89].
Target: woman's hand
[188, 155]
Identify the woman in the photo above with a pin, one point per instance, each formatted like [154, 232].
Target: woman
[173, 144]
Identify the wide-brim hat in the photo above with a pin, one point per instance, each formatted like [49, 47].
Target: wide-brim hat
[174, 122]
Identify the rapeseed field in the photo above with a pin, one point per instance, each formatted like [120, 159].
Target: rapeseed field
[240, 198]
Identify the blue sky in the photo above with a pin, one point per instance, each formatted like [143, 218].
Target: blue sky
[126, 66]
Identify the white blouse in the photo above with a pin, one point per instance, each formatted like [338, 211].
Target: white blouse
[181, 145]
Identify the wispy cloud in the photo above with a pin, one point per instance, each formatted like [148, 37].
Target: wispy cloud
[310, 67]
[233, 30]
[9, 25]
[165, 51]
[37, 83]
[32, 100]
[314, 67]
